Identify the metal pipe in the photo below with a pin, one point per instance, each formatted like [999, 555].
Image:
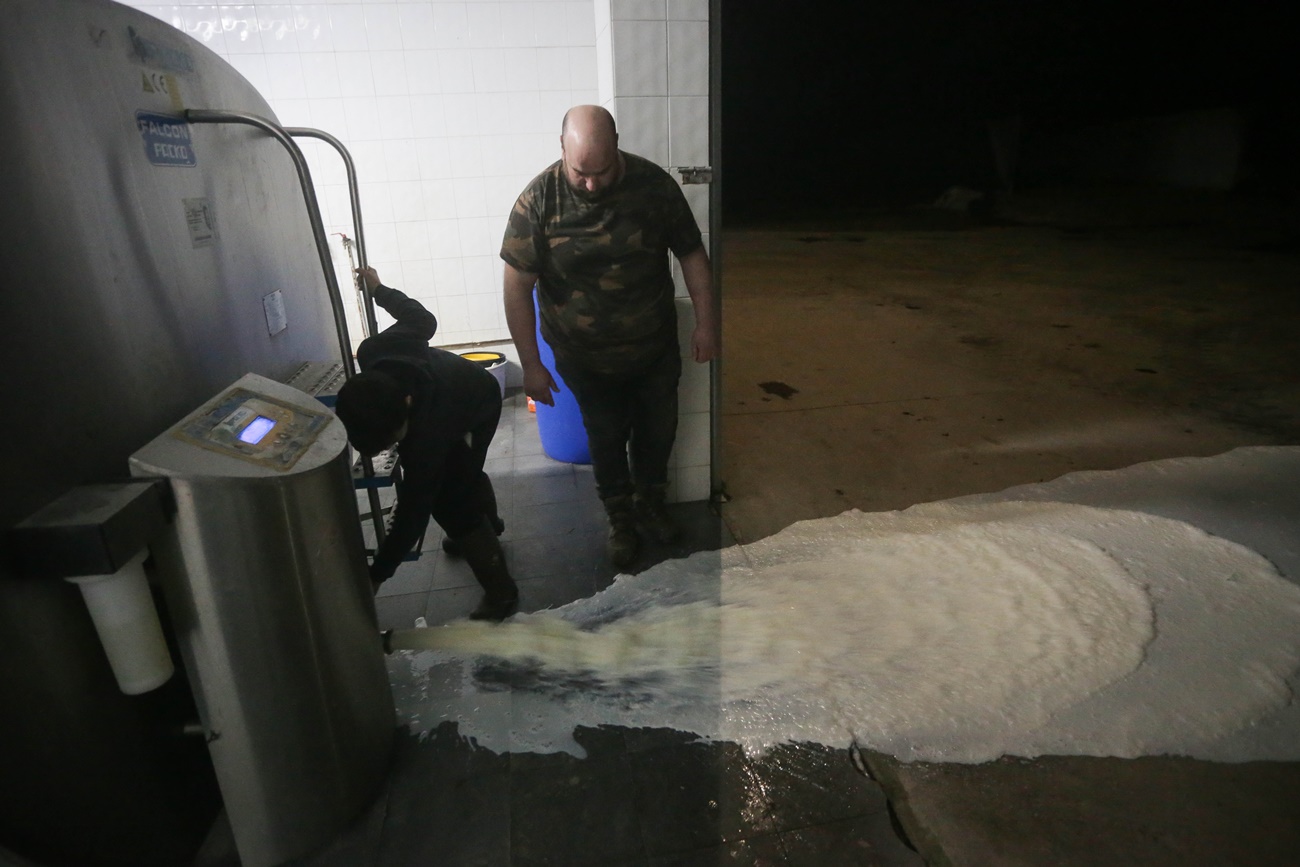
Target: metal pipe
[197, 115]
[206, 115]
[368, 303]
[353, 192]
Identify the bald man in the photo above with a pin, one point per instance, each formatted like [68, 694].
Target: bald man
[593, 233]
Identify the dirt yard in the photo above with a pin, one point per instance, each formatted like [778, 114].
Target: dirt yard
[909, 357]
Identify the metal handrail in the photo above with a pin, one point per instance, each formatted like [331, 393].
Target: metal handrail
[308, 132]
[203, 115]
[367, 302]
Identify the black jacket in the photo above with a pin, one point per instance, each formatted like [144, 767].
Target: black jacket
[451, 396]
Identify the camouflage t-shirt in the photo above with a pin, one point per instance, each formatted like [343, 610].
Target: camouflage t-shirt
[605, 288]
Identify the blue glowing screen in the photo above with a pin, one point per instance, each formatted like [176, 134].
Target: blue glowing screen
[256, 429]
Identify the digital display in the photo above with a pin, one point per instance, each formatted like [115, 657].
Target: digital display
[256, 429]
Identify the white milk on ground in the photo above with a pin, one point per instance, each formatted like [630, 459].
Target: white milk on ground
[943, 633]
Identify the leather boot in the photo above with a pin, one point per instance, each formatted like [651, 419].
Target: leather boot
[483, 553]
[652, 515]
[623, 543]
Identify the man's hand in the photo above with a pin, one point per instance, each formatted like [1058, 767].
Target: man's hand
[539, 384]
[704, 344]
[697, 272]
[370, 277]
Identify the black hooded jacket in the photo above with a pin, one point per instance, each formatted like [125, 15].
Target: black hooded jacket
[450, 396]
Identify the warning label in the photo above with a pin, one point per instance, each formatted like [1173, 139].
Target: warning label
[202, 221]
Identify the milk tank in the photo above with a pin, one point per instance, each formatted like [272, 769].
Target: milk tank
[150, 261]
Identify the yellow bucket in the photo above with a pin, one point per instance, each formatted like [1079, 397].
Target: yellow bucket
[494, 362]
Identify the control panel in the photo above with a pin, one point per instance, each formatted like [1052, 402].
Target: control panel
[254, 427]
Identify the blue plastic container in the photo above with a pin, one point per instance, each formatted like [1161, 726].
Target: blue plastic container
[564, 438]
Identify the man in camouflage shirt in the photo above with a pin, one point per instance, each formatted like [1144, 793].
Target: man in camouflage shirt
[593, 232]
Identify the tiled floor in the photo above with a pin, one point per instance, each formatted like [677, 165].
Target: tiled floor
[554, 539]
[640, 797]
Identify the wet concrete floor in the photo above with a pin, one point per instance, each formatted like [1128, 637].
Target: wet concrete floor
[894, 359]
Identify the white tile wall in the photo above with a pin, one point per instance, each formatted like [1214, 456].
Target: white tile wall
[694, 397]
[688, 10]
[692, 484]
[640, 51]
[638, 10]
[688, 130]
[448, 109]
[688, 58]
[605, 63]
[643, 126]
[692, 446]
[697, 196]
[689, 466]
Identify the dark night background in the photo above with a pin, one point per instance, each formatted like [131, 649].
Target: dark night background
[839, 106]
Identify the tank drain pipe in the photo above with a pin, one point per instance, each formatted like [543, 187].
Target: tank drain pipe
[97, 537]
[206, 115]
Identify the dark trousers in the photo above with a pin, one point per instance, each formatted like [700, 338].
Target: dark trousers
[628, 415]
[465, 496]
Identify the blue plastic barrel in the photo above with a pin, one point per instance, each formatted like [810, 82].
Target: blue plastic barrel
[564, 438]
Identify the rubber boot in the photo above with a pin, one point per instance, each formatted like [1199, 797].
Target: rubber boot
[623, 543]
[483, 553]
[652, 515]
[485, 499]
[451, 547]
